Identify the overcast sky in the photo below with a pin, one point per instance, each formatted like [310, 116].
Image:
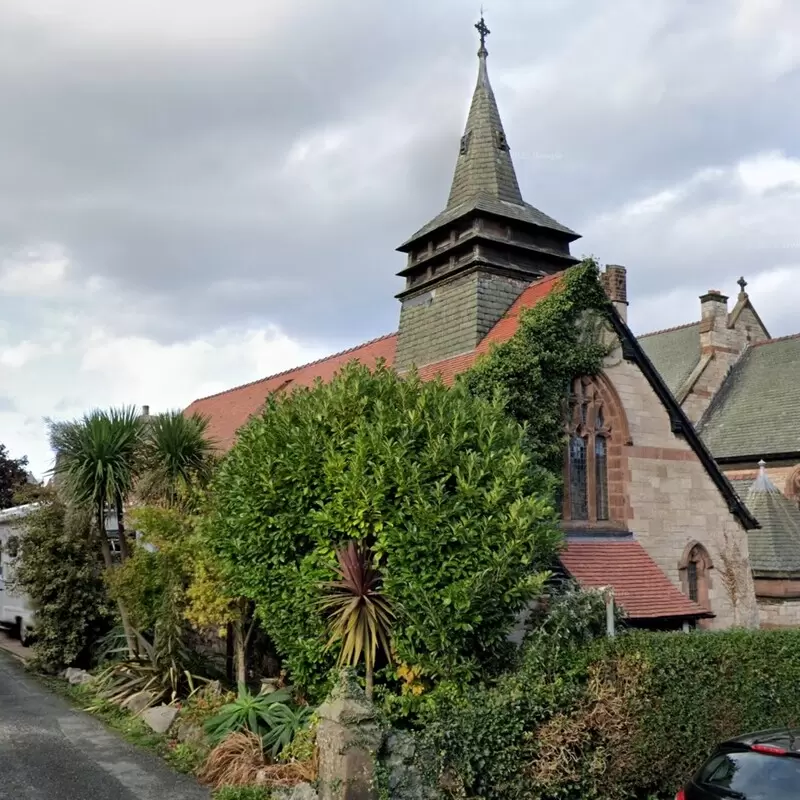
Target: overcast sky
[197, 193]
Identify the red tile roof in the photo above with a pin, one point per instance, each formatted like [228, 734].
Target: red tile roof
[640, 587]
[227, 411]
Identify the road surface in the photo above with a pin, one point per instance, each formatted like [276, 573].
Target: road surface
[48, 751]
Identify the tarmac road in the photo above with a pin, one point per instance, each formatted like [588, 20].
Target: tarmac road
[49, 751]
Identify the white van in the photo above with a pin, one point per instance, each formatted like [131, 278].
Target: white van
[16, 612]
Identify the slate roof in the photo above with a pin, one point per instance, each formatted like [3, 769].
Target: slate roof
[640, 587]
[754, 414]
[675, 352]
[775, 547]
[484, 161]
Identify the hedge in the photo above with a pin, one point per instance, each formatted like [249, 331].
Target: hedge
[623, 719]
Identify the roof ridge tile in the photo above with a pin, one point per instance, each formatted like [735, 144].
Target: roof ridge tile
[668, 330]
[297, 368]
[776, 339]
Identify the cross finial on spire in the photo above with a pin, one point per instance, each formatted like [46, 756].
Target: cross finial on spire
[742, 283]
[484, 32]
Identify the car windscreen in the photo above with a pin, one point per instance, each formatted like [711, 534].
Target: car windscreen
[754, 776]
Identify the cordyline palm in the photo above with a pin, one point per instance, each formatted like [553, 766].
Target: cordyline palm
[97, 458]
[177, 456]
[359, 615]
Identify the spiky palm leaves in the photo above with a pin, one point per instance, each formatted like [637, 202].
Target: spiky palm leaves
[97, 460]
[177, 455]
[359, 615]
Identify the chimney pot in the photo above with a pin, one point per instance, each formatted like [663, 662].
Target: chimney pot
[145, 411]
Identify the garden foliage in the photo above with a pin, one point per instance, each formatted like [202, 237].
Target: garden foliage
[624, 719]
[59, 569]
[440, 486]
[559, 339]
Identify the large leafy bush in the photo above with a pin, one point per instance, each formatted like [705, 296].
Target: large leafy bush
[58, 567]
[436, 482]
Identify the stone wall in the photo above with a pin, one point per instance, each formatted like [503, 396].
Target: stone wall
[674, 504]
[776, 613]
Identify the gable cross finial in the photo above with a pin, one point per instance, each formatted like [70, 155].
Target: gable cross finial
[484, 32]
[742, 283]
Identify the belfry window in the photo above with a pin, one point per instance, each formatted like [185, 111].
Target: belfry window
[586, 478]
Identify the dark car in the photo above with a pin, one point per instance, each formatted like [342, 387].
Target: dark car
[757, 766]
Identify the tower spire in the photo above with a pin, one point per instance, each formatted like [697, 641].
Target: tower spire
[484, 160]
[470, 262]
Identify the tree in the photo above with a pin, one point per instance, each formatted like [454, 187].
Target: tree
[178, 456]
[437, 483]
[98, 458]
[13, 477]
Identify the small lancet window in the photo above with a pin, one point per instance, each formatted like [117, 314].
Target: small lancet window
[465, 143]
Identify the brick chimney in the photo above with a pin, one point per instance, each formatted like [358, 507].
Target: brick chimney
[714, 334]
[615, 282]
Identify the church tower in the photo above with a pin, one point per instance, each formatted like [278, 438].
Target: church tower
[467, 265]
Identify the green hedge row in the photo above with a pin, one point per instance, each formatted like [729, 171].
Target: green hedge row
[619, 719]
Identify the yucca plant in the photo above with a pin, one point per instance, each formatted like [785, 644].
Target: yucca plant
[163, 666]
[359, 615]
[258, 713]
[286, 722]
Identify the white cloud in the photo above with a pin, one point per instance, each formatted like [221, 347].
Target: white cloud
[33, 272]
[148, 23]
[768, 171]
[101, 369]
[703, 232]
[64, 356]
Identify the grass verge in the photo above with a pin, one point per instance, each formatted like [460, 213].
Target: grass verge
[186, 757]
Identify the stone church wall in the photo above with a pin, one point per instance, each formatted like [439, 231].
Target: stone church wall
[777, 613]
[673, 503]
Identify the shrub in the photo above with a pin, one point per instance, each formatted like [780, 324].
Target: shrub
[437, 483]
[271, 716]
[166, 667]
[139, 584]
[622, 719]
[58, 569]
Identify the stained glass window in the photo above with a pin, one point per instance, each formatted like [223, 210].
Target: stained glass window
[601, 477]
[586, 483]
[578, 495]
[691, 575]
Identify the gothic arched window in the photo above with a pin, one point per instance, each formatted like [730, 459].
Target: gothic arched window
[695, 567]
[586, 478]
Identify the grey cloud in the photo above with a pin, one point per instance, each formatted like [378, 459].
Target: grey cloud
[7, 405]
[166, 171]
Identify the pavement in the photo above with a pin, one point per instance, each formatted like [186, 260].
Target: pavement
[14, 647]
[50, 751]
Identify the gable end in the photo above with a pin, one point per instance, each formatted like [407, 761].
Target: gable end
[679, 422]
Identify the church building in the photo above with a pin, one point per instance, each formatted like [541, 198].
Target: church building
[738, 386]
[647, 510]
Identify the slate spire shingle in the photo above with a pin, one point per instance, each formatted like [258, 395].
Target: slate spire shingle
[484, 161]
